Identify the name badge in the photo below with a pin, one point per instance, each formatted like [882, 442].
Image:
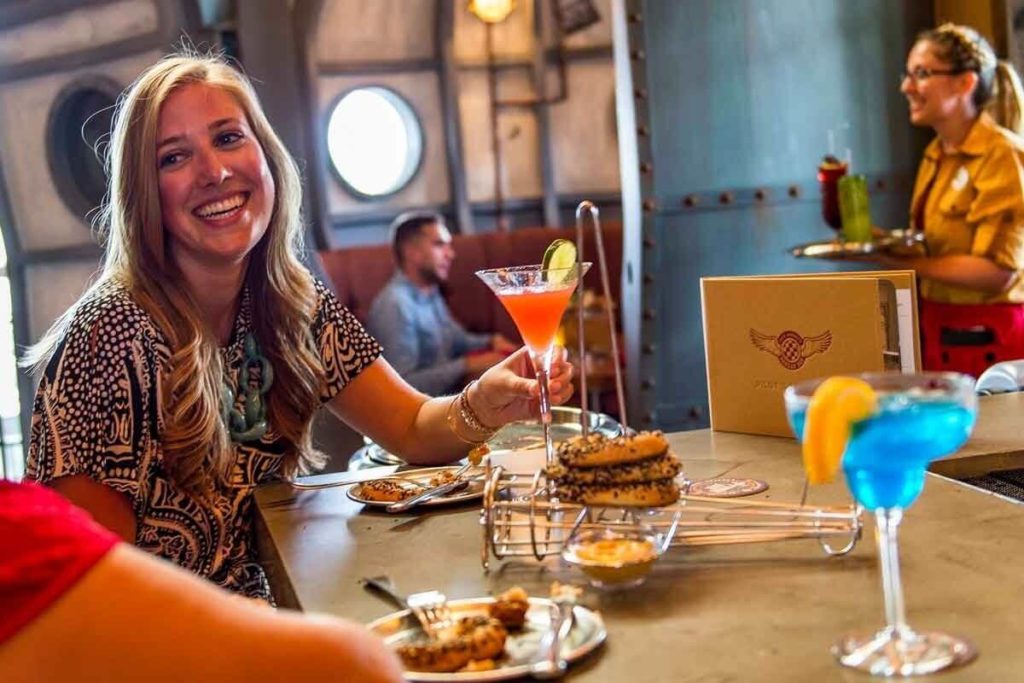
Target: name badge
[960, 179]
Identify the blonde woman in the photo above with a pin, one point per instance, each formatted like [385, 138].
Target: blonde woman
[190, 372]
[968, 200]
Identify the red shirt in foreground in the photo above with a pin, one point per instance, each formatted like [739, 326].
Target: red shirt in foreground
[46, 545]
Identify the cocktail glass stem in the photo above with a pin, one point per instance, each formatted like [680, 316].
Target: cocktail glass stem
[542, 368]
[888, 521]
[898, 650]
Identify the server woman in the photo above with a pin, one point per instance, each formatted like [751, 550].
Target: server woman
[968, 200]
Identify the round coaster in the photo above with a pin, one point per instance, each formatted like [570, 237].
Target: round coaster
[727, 487]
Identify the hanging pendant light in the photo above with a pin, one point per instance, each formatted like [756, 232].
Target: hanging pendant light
[491, 11]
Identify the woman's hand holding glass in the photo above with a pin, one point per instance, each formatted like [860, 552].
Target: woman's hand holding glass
[509, 391]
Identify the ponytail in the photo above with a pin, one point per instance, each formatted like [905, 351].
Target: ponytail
[1007, 103]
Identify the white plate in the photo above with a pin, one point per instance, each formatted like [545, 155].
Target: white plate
[473, 491]
[521, 647]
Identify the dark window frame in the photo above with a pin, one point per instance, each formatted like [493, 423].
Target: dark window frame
[63, 128]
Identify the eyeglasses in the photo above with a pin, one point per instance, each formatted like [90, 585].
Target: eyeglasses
[922, 74]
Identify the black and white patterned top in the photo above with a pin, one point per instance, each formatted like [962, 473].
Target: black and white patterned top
[97, 413]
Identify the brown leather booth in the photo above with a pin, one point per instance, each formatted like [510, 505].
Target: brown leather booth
[359, 273]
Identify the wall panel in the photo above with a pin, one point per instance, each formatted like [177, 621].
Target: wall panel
[67, 33]
[45, 47]
[381, 30]
[584, 144]
[517, 129]
[51, 288]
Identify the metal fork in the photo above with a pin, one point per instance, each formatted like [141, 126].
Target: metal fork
[429, 607]
[550, 663]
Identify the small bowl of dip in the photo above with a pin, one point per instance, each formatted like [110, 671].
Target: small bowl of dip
[614, 556]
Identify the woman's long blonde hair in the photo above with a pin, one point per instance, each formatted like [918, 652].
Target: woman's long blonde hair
[999, 89]
[197, 451]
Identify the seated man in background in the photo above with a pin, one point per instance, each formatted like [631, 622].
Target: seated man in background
[411, 320]
[77, 604]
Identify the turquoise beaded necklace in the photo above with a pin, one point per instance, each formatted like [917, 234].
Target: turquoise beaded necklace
[248, 423]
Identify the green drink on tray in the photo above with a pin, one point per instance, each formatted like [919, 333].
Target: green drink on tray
[854, 208]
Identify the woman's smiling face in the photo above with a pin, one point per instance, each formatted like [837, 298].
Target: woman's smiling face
[216, 189]
[934, 94]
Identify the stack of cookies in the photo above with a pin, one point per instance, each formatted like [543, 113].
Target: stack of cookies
[627, 471]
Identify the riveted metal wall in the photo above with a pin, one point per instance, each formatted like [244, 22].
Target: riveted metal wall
[724, 110]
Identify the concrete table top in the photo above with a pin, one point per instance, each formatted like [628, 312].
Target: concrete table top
[760, 612]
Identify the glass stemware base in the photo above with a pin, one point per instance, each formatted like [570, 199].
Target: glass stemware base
[892, 652]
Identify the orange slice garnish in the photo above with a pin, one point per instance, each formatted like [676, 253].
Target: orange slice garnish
[836, 405]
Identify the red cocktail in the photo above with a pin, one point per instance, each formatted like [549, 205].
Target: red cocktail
[830, 170]
[537, 313]
[536, 297]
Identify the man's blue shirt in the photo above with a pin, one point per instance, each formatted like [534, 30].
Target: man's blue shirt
[421, 340]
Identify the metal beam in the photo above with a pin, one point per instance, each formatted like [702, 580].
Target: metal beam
[448, 79]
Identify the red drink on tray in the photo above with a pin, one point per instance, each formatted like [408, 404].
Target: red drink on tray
[830, 170]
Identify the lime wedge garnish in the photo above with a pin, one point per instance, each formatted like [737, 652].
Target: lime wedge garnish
[560, 257]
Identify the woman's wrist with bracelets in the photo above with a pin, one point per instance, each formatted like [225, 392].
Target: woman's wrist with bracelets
[473, 431]
[472, 417]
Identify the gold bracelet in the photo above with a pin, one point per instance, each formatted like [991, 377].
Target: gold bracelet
[453, 425]
[479, 448]
[450, 417]
[469, 419]
[469, 415]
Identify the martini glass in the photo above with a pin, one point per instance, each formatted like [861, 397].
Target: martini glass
[536, 297]
[919, 418]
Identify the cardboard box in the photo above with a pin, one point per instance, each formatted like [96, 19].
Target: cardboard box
[763, 333]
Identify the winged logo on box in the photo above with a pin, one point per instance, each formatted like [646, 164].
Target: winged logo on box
[790, 348]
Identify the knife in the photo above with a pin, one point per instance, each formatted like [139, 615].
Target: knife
[347, 478]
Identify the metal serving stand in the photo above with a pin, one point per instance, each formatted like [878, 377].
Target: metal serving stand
[602, 267]
[520, 517]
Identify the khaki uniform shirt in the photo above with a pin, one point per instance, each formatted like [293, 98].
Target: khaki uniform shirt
[974, 204]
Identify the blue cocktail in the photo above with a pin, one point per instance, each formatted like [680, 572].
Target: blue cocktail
[902, 423]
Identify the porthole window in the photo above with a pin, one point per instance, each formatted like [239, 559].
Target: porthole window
[375, 142]
[79, 120]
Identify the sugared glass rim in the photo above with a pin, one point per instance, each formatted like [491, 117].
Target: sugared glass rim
[953, 383]
[534, 267]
